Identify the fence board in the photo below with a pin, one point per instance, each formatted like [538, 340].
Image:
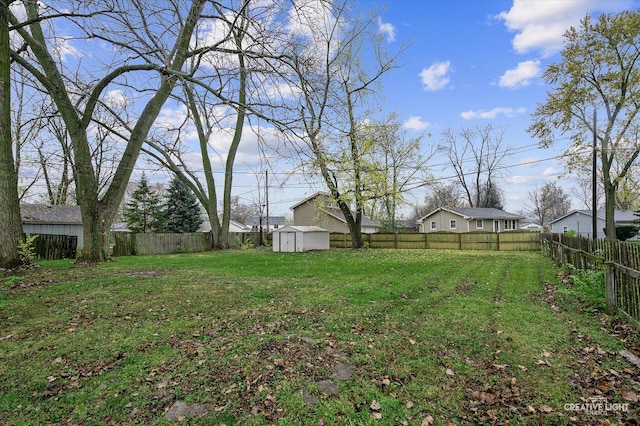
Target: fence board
[621, 262]
[55, 247]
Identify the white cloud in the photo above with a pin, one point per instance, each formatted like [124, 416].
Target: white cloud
[415, 123]
[552, 172]
[436, 76]
[116, 98]
[520, 76]
[540, 25]
[387, 29]
[491, 114]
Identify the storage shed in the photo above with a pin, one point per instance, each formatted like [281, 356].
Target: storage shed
[56, 220]
[300, 238]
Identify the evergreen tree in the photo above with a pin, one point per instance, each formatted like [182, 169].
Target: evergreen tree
[144, 212]
[183, 209]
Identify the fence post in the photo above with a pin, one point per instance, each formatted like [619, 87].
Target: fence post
[610, 287]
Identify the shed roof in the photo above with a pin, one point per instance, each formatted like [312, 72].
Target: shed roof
[302, 228]
[48, 214]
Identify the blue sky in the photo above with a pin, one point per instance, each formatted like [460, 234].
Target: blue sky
[480, 62]
[468, 63]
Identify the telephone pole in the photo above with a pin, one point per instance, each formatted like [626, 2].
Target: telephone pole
[594, 182]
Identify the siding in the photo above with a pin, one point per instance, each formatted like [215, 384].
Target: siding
[307, 214]
[443, 219]
[55, 229]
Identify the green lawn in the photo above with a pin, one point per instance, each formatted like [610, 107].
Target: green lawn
[338, 337]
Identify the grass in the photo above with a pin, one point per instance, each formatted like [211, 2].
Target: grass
[430, 337]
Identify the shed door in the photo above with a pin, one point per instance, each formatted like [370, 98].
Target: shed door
[288, 241]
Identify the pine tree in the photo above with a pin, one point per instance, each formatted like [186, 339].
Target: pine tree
[183, 209]
[144, 212]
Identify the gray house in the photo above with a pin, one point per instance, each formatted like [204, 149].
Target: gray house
[55, 220]
[275, 222]
[581, 222]
[460, 220]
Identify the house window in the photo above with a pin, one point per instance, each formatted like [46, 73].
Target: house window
[433, 225]
[452, 224]
[275, 226]
[479, 224]
[565, 229]
[509, 224]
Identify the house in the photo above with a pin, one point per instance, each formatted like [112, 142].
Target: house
[320, 210]
[300, 238]
[257, 222]
[234, 226]
[581, 222]
[54, 220]
[531, 227]
[461, 220]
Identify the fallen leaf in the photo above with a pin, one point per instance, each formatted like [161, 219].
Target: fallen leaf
[450, 372]
[630, 396]
[52, 379]
[546, 353]
[531, 409]
[386, 382]
[545, 409]
[409, 404]
[427, 421]
[376, 415]
[375, 405]
[413, 342]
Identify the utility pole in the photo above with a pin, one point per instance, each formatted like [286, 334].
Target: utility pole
[266, 198]
[594, 181]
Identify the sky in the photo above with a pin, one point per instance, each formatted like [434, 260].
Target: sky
[473, 63]
[464, 64]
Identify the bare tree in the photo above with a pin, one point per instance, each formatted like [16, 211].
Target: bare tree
[548, 202]
[11, 229]
[477, 156]
[150, 42]
[220, 104]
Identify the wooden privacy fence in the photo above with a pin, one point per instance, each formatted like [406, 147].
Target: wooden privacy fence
[504, 241]
[127, 243]
[619, 260]
[130, 244]
[54, 247]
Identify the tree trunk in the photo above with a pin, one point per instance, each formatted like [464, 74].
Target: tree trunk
[11, 229]
[610, 210]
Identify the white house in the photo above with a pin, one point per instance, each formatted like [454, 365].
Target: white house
[581, 222]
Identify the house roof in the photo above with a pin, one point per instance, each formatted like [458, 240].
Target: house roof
[476, 213]
[273, 220]
[47, 214]
[309, 198]
[618, 215]
[337, 213]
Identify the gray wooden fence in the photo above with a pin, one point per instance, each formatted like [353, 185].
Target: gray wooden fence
[619, 260]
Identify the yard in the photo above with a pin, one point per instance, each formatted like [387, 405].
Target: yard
[252, 337]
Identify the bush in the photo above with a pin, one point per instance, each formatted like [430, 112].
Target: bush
[591, 284]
